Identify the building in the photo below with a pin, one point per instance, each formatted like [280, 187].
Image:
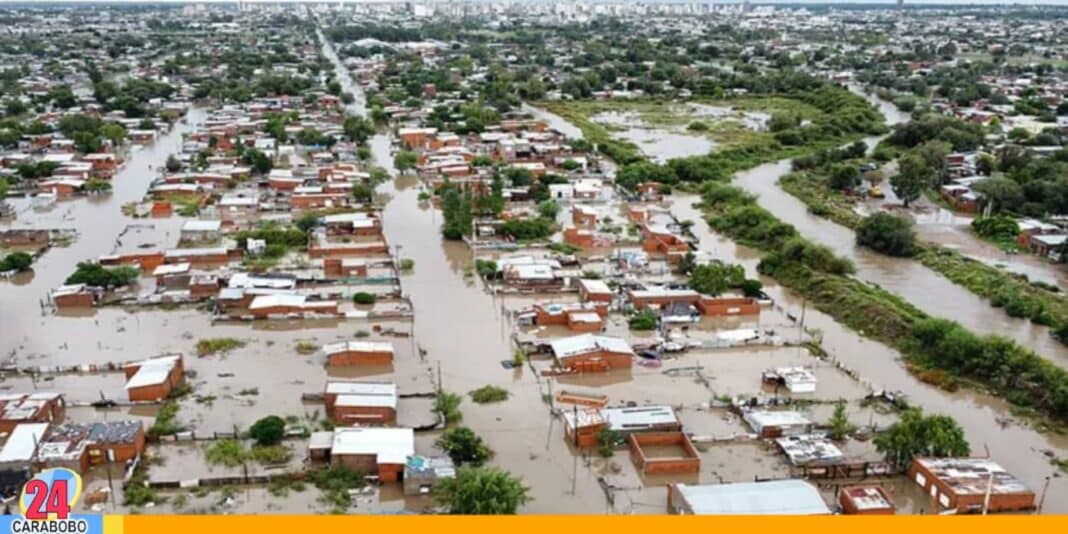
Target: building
[201, 231]
[422, 473]
[774, 497]
[80, 446]
[962, 484]
[73, 296]
[686, 460]
[796, 379]
[865, 500]
[21, 446]
[39, 407]
[769, 424]
[595, 291]
[361, 403]
[382, 452]
[809, 450]
[154, 379]
[591, 353]
[348, 353]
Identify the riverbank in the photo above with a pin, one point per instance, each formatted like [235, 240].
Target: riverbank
[1018, 296]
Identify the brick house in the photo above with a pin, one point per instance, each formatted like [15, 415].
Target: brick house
[154, 379]
[591, 353]
[361, 403]
[359, 353]
[961, 484]
[38, 407]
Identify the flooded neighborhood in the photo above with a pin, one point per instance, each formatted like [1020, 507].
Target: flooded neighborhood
[536, 258]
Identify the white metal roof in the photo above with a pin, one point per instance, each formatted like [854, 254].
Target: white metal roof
[152, 371]
[22, 442]
[389, 445]
[358, 346]
[776, 497]
[571, 346]
[622, 419]
[201, 225]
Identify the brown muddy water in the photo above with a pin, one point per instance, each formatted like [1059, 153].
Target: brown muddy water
[924, 288]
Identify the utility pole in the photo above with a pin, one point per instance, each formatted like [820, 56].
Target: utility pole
[441, 387]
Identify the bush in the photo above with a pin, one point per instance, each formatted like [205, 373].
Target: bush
[486, 394]
[643, 320]
[525, 229]
[208, 346]
[94, 274]
[887, 234]
[447, 406]
[363, 297]
[482, 491]
[752, 287]
[16, 261]
[268, 431]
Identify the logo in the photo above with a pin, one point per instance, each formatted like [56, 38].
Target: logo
[47, 503]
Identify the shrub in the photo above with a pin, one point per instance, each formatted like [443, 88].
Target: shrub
[94, 274]
[16, 261]
[209, 346]
[464, 446]
[643, 320]
[887, 234]
[268, 431]
[362, 297]
[447, 406]
[488, 393]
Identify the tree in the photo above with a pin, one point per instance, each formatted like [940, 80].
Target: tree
[464, 446]
[16, 261]
[716, 277]
[1000, 193]
[94, 274]
[839, 423]
[887, 234]
[914, 435]
[173, 164]
[268, 431]
[911, 179]
[548, 209]
[482, 491]
[405, 160]
[844, 176]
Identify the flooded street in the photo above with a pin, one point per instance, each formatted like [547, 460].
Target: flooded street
[926, 289]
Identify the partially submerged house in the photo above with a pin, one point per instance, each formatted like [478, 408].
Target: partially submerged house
[773, 497]
[591, 353]
[423, 473]
[348, 353]
[38, 407]
[382, 452]
[774, 424]
[79, 446]
[155, 378]
[361, 403]
[962, 485]
[865, 500]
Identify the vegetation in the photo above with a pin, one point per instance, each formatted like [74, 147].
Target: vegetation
[608, 440]
[489, 393]
[447, 406]
[482, 491]
[215, 345]
[643, 320]
[715, 278]
[96, 275]
[840, 427]
[16, 261]
[268, 431]
[887, 234]
[915, 434]
[464, 446]
[166, 423]
[364, 298]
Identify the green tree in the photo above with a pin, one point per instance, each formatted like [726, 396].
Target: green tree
[1000, 193]
[844, 176]
[405, 160]
[840, 427]
[464, 446]
[173, 164]
[915, 435]
[716, 277]
[913, 176]
[549, 209]
[482, 491]
[885, 233]
[447, 406]
[16, 261]
[268, 431]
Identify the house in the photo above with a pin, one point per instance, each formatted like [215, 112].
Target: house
[796, 379]
[865, 500]
[382, 452]
[769, 424]
[201, 231]
[962, 485]
[38, 407]
[154, 379]
[630, 419]
[809, 450]
[582, 428]
[79, 446]
[1048, 245]
[21, 446]
[773, 497]
[361, 403]
[595, 291]
[588, 352]
[423, 473]
[359, 353]
[73, 296]
[265, 306]
[344, 268]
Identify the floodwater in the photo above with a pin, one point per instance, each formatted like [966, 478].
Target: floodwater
[924, 288]
[658, 144]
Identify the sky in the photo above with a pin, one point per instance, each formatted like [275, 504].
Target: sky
[907, 2]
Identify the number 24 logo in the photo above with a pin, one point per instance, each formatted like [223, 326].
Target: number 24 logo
[47, 499]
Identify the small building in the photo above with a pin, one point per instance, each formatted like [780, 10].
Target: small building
[201, 231]
[961, 485]
[383, 452]
[348, 353]
[423, 473]
[796, 379]
[80, 446]
[37, 407]
[73, 296]
[865, 500]
[686, 459]
[361, 403]
[774, 424]
[582, 428]
[21, 446]
[595, 291]
[627, 420]
[592, 353]
[773, 497]
[154, 379]
[809, 450]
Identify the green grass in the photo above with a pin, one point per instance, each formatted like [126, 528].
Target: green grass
[488, 394]
[215, 345]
